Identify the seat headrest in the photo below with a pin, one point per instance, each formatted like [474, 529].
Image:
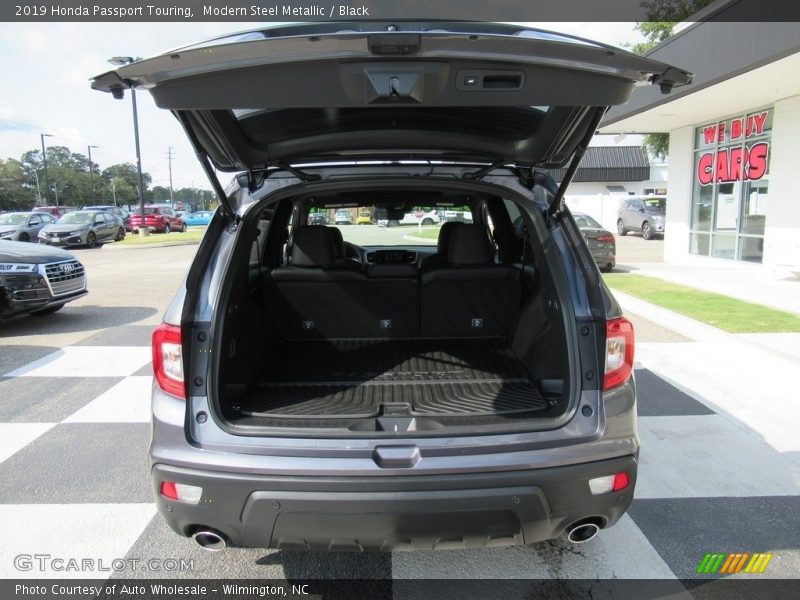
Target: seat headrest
[470, 245]
[338, 241]
[313, 246]
[443, 243]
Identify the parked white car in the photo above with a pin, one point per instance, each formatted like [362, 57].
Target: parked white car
[430, 217]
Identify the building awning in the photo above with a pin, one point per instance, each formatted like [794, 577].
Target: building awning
[737, 66]
[610, 163]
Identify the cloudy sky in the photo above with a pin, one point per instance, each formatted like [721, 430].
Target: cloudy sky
[46, 69]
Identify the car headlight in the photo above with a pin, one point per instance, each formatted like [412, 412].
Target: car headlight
[78, 232]
[17, 268]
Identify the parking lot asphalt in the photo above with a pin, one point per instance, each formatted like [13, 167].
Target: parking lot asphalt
[74, 413]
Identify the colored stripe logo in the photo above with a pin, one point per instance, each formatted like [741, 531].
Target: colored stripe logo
[723, 563]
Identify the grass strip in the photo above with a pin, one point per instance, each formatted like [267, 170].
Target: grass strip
[731, 314]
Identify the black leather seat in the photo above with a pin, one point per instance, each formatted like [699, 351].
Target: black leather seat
[470, 296]
[442, 245]
[319, 296]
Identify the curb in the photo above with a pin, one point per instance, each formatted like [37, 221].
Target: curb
[154, 245]
[691, 328]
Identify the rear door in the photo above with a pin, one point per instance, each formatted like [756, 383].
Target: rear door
[449, 91]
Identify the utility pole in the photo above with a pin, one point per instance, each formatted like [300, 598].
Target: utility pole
[91, 168]
[38, 190]
[114, 190]
[169, 158]
[44, 163]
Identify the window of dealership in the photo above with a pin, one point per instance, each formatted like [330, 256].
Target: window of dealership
[731, 185]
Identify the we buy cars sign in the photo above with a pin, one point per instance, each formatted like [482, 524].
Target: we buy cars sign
[737, 162]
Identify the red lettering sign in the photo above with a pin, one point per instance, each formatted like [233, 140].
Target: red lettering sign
[757, 161]
[733, 164]
[710, 134]
[705, 174]
[737, 125]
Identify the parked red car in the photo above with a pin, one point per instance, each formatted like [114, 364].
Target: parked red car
[157, 218]
[56, 211]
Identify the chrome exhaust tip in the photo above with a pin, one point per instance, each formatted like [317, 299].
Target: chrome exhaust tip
[210, 540]
[582, 531]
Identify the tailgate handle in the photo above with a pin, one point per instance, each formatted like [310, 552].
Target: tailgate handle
[396, 457]
[393, 44]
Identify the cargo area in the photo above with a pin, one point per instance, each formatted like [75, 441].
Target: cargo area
[374, 377]
[326, 334]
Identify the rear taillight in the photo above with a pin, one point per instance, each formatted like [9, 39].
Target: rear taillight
[168, 359]
[619, 352]
[606, 238]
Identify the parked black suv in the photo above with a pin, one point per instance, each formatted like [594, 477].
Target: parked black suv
[317, 395]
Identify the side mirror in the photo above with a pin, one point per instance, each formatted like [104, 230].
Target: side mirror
[34, 222]
[641, 209]
[98, 222]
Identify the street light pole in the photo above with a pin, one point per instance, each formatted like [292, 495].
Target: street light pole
[142, 228]
[91, 169]
[44, 163]
[126, 60]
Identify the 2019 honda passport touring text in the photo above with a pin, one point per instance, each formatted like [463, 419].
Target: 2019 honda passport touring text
[314, 391]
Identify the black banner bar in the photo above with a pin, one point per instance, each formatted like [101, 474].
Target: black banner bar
[332, 10]
[755, 588]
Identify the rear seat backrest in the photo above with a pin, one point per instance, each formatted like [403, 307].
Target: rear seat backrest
[318, 296]
[470, 296]
[442, 246]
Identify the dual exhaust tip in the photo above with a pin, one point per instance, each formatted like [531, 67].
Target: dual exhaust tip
[214, 541]
[210, 539]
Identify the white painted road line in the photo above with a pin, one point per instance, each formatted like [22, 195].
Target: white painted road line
[99, 532]
[126, 402]
[87, 361]
[708, 456]
[15, 436]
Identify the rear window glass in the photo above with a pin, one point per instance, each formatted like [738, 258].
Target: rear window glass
[378, 226]
[275, 125]
[657, 203]
[77, 218]
[586, 221]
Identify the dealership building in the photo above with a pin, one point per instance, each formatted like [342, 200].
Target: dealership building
[734, 148]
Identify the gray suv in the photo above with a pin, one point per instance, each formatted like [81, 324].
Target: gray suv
[392, 396]
[643, 214]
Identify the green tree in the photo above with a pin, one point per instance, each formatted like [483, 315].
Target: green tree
[122, 181]
[16, 192]
[662, 16]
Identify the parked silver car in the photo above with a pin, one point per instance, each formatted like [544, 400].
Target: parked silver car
[643, 214]
[23, 226]
[83, 228]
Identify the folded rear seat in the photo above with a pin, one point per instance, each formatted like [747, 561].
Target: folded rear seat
[470, 296]
[318, 296]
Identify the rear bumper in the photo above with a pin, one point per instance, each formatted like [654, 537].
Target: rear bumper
[397, 512]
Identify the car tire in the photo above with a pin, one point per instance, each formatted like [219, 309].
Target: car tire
[184, 228]
[47, 311]
[621, 227]
[167, 228]
[607, 268]
[427, 221]
[647, 231]
[392, 223]
[23, 237]
[91, 240]
[120, 235]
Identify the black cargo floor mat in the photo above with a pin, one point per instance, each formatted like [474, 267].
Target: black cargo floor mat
[361, 378]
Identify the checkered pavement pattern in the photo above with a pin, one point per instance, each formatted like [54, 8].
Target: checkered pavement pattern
[74, 482]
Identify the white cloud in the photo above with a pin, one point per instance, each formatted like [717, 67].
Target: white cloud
[46, 70]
